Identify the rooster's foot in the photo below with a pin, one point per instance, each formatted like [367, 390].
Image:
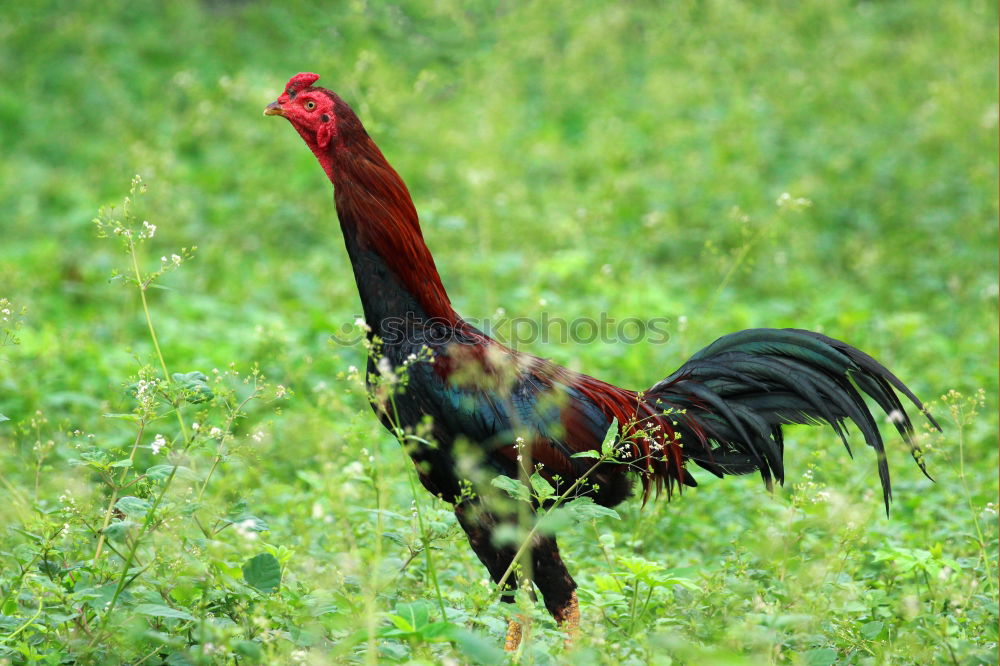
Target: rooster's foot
[568, 618]
[513, 640]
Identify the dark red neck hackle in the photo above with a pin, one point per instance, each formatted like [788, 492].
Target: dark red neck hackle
[373, 202]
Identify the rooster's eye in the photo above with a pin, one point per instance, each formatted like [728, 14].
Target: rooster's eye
[310, 105]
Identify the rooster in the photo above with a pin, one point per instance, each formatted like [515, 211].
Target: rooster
[723, 410]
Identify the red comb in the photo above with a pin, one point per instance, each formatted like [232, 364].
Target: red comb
[300, 80]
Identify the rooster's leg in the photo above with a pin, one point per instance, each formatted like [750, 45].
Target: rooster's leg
[548, 573]
[479, 524]
[556, 585]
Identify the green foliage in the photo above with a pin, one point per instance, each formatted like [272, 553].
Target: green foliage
[825, 165]
[262, 572]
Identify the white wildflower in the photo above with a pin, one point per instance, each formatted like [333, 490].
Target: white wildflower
[821, 496]
[245, 528]
[176, 259]
[385, 370]
[196, 426]
[215, 432]
[258, 436]
[518, 445]
[158, 443]
[360, 323]
[785, 200]
[149, 230]
[280, 391]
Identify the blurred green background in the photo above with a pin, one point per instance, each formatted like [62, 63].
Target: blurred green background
[576, 157]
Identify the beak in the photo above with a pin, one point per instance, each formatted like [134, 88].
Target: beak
[274, 109]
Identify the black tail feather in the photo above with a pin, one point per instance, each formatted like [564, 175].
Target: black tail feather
[741, 389]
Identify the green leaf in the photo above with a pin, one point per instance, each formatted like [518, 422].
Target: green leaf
[50, 567]
[610, 437]
[133, 506]
[117, 530]
[92, 458]
[436, 632]
[124, 416]
[555, 520]
[37, 538]
[159, 610]
[401, 623]
[670, 580]
[412, 620]
[583, 508]
[249, 650]
[541, 487]
[194, 385]
[586, 454]
[161, 472]
[512, 487]
[396, 538]
[579, 510]
[871, 630]
[820, 657]
[479, 650]
[248, 522]
[124, 462]
[641, 568]
[416, 614]
[262, 572]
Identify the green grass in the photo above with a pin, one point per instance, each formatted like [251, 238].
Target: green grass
[623, 158]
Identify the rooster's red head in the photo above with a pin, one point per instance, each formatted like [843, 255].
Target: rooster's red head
[311, 110]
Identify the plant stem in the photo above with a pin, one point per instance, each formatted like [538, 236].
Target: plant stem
[431, 571]
[114, 494]
[225, 433]
[152, 330]
[956, 413]
[122, 579]
[122, 582]
[28, 623]
[531, 534]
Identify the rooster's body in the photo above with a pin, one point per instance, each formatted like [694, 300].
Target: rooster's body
[722, 410]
